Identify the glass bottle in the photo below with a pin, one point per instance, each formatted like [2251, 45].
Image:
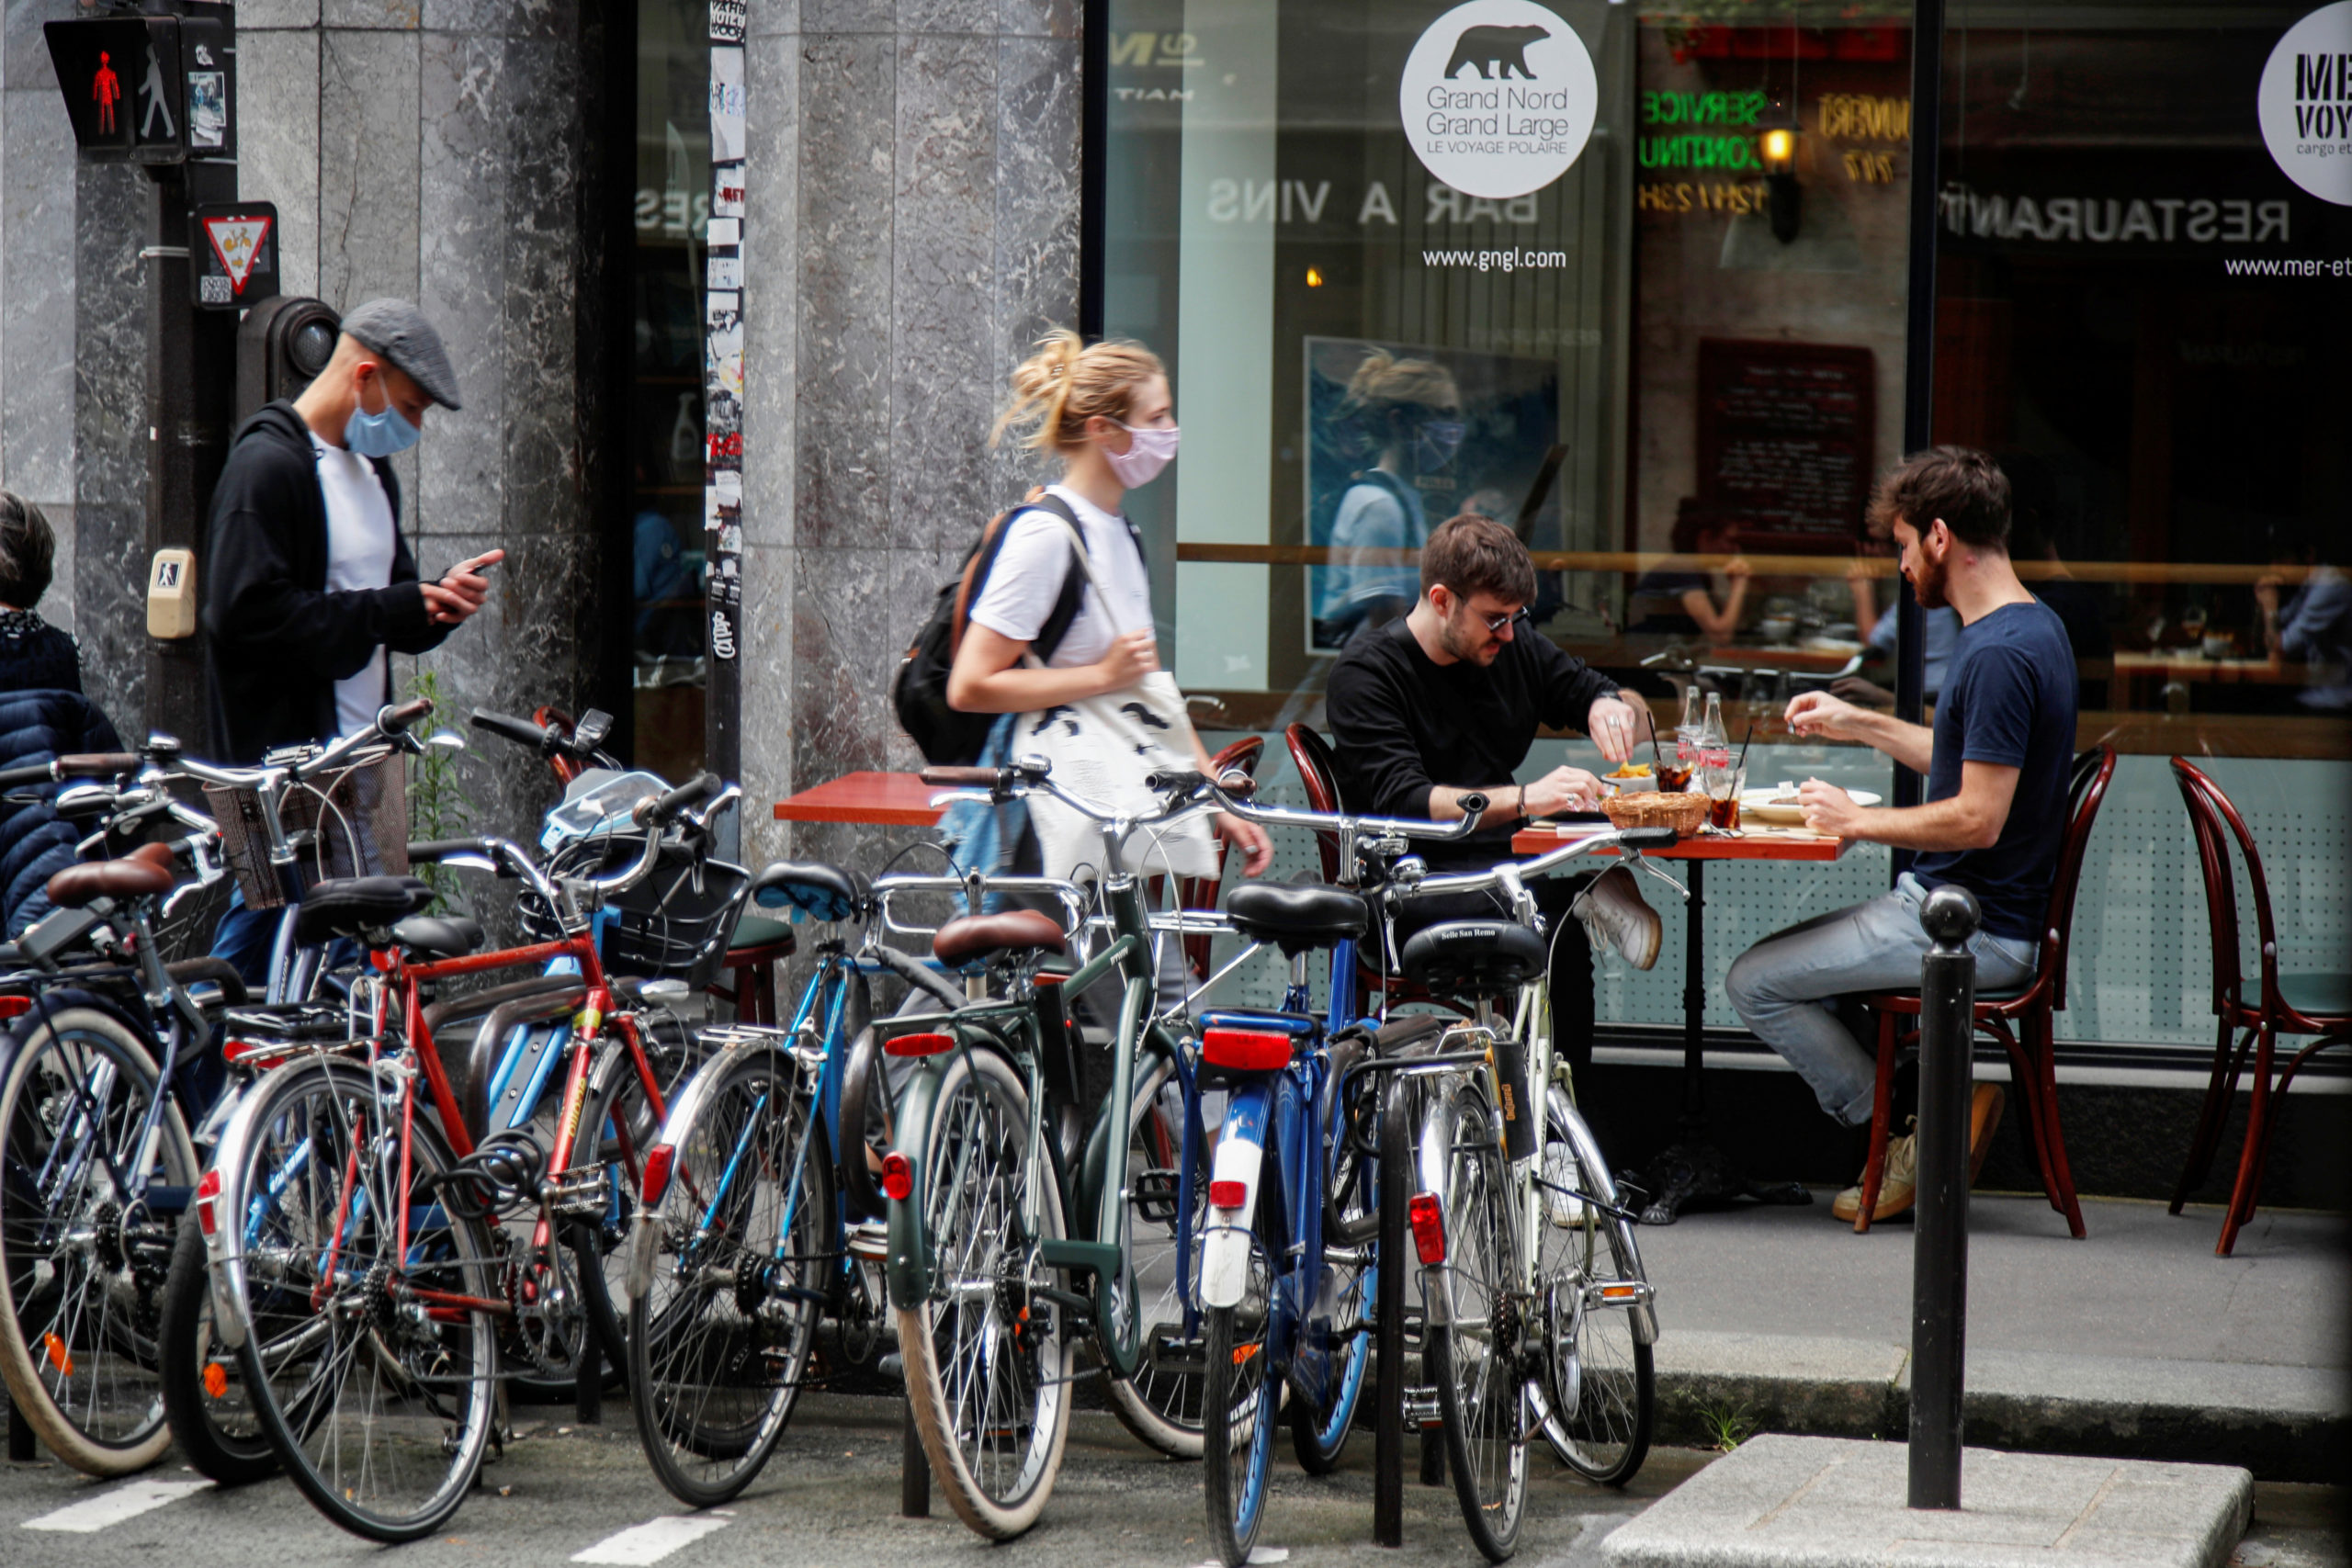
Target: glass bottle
[1686, 734]
[1714, 742]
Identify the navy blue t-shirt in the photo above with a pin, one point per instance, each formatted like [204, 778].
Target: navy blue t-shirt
[2009, 699]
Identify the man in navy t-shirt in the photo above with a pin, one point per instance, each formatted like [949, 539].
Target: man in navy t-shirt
[1997, 763]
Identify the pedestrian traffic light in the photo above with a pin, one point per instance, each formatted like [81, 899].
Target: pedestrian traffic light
[149, 89]
[282, 344]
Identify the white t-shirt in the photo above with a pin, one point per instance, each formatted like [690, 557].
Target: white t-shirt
[1027, 579]
[360, 555]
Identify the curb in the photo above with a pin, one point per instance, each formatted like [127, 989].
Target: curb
[2281, 1423]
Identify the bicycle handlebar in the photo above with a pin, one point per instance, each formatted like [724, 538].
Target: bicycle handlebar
[541, 738]
[661, 811]
[395, 718]
[1473, 806]
[1633, 839]
[95, 764]
[962, 778]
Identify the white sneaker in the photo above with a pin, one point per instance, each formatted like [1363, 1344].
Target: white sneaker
[1615, 914]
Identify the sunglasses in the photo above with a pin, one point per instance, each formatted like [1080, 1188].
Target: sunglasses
[1495, 624]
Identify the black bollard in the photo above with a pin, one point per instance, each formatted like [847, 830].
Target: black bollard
[1940, 1243]
[1388, 1327]
[20, 1436]
[914, 1467]
[588, 1382]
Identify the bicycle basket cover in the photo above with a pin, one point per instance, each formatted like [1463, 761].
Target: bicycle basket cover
[600, 807]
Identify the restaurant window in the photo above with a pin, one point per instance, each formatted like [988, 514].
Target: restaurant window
[2138, 308]
[1646, 361]
[663, 398]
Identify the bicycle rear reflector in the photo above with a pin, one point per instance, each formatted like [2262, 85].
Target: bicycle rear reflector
[14, 1007]
[1428, 1228]
[919, 1045]
[1228, 1194]
[208, 1194]
[657, 1165]
[898, 1172]
[1249, 1050]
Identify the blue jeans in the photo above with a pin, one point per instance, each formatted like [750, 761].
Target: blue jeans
[243, 938]
[1781, 986]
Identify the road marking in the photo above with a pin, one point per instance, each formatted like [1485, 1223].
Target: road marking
[125, 1502]
[651, 1542]
[1260, 1557]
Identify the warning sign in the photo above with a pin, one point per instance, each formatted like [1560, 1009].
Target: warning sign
[237, 262]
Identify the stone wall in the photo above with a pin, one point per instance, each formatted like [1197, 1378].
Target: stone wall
[912, 200]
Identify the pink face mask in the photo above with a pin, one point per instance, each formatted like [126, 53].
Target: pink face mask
[1148, 451]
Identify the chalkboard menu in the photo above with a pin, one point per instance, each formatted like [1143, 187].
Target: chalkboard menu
[1786, 434]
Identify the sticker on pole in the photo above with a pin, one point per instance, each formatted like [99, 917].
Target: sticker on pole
[237, 263]
[2305, 103]
[1498, 97]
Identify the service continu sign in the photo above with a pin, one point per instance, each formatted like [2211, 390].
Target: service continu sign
[1498, 97]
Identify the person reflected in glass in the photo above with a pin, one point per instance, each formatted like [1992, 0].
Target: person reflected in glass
[2312, 624]
[1413, 409]
[1684, 599]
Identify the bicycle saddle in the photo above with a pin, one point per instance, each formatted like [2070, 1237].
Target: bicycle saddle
[1296, 916]
[143, 872]
[435, 936]
[1468, 957]
[974, 938]
[824, 892]
[349, 906]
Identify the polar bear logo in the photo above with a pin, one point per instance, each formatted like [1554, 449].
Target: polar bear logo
[1496, 51]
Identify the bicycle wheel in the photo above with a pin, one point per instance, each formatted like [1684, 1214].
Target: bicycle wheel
[719, 1339]
[1332, 1360]
[988, 1362]
[204, 1385]
[1161, 1403]
[618, 1129]
[1474, 1357]
[1237, 1382]
[372, 1368]
[82, 1258]
[1598, 1384]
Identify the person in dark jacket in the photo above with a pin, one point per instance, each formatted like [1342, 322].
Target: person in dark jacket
[308, 584]
[44, 713]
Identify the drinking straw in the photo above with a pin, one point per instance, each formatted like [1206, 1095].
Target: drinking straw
[1747, 743]
[1659, 756]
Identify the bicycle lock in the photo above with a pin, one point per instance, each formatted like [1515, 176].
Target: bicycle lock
[1940, 1243]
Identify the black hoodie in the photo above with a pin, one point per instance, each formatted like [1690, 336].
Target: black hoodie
[277, 639]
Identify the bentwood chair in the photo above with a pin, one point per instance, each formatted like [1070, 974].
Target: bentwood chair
[2023, 1018]
[2315, 1003]
[1201, 892]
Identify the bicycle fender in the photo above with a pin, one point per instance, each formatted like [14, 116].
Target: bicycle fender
[1433, 1154]
[1595, 1167]
[907, 1270]
[224, 1243]
[686, 1105]
[1240, 1156]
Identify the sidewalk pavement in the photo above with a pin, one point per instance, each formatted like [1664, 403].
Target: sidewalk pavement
[2134, 1342]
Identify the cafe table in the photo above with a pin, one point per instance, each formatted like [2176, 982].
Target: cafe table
[1693, 1169]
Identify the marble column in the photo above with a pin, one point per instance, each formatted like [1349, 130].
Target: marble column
[913, 193]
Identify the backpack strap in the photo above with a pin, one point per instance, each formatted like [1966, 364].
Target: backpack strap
[1066, 603]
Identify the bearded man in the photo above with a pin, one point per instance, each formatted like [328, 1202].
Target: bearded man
[1996, 762]
[1446, 701]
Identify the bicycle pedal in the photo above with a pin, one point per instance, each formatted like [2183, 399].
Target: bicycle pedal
[583, 1192]
[1153, 1194]
[870, 1239]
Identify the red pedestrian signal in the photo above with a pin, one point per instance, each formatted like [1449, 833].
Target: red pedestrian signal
[105, 88]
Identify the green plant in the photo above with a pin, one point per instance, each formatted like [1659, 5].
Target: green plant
[438, 803]
[1727, 1426]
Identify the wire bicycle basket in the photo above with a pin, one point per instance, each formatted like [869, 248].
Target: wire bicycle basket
[348, 821]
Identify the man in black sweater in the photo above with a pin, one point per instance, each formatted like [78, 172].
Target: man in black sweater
[308, 583]
[1445, 703]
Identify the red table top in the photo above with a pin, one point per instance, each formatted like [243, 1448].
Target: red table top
[1758, 842]
[903, 800]
[896, 800]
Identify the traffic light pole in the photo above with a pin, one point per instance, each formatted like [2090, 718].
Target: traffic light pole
[191, 390]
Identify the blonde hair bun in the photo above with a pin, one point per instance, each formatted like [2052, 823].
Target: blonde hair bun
[1067, 382]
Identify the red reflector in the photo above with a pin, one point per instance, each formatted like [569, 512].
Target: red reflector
[14, 1007]
[919, 1045]
[1228, 1194]
[1428, 1228]
[208, 1194]
[656, 1181]
[1250, 1050]
[898, 1171]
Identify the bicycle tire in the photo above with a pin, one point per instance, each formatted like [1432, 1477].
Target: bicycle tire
[325, 1151]
[1599, 1379]
[204, 1389]
[1334, 1374]
[978, 1125]
[1233, 1482]
[1473, 1357]
[863, 1079]
[90, 1392]
[1162, 1403]
[601, 1246]
[697, 1334]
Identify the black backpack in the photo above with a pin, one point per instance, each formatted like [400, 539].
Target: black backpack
[946, 737]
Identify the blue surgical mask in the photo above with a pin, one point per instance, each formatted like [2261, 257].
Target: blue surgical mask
[379, 434]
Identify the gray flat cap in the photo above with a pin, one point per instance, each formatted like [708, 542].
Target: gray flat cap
[397, 331]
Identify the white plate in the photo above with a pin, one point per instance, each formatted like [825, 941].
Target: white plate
[1757, 804]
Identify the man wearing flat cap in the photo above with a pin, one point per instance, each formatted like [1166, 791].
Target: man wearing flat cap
[308, 583]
